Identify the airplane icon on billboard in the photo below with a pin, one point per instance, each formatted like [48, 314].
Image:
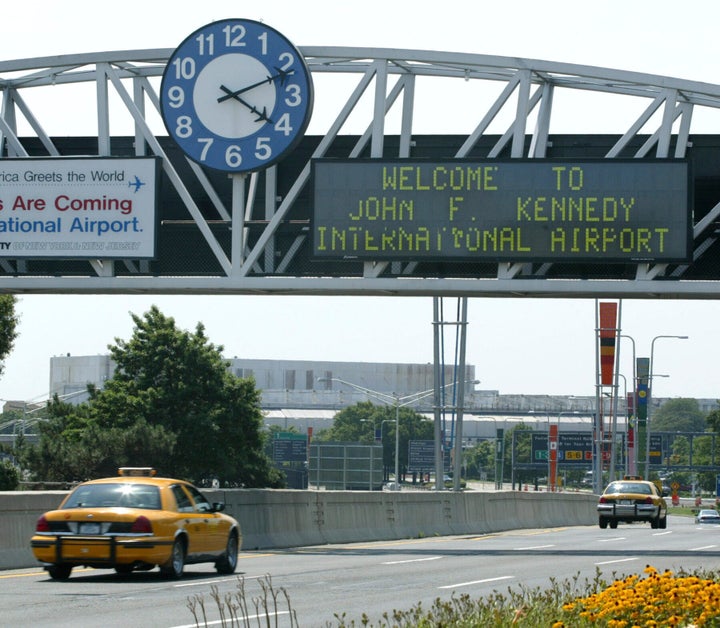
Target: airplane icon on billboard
[137, 183]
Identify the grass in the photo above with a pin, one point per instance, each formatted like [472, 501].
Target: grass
[683, 511]
[237, 609]
[649, 600]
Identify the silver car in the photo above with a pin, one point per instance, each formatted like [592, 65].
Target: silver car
[707, 516]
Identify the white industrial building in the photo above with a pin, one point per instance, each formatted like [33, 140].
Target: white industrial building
[304, 393]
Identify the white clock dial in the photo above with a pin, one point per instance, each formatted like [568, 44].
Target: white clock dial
[241, 114]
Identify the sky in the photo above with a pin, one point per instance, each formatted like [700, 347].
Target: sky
[518, 346]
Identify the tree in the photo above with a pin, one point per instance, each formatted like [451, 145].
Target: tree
[171, 404]
[521, 435]
[9, 476]
[8, 326]
[678, 415]
[713, 420]
[480, 459]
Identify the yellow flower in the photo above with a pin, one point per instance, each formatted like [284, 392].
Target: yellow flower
[657, 600]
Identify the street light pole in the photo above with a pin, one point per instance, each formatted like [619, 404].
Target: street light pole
[651, 374]
[613, 445]
[381, 436]
[397, 443]
[631, 456]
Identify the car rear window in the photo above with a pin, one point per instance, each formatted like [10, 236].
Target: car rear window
[629, 487]
[120, 495]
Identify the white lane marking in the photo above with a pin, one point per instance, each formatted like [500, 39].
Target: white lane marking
[704, 547]
[613, 538]
[532, 547]
[467, 584]
[662, 533]
[619, 560]
[213, 580]
[413, 560]
[224, 622]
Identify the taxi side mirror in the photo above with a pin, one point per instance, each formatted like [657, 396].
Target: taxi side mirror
[218, 506]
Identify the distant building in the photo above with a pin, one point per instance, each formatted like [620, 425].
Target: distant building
[70, 375]
[312, 382]
[305, 393]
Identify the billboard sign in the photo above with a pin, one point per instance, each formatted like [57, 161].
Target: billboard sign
[421, 455]
[536, 210]
[99, 208]
[289, 447]
[572, 447]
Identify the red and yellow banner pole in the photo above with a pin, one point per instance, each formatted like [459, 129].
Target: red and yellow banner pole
[607, 336]
[552, 456]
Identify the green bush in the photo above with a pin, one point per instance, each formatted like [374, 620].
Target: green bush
[9, 476]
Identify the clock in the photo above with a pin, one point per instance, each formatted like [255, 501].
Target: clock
[236, 96]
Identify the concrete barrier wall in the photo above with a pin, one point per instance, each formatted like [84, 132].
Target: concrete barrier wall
[287, 518]
[283, 518]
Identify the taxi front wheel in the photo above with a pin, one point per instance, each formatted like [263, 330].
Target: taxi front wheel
[174, 567]
[228, 561]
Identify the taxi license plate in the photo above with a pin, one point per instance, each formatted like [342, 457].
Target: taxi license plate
[90, 528]
[626, 502]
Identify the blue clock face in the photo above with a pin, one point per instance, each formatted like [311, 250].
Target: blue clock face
[236, 96]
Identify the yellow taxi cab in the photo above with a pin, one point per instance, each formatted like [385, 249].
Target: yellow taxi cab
[632, 499]
[136, 521]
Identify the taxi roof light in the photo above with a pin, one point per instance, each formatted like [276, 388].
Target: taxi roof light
[144, 472]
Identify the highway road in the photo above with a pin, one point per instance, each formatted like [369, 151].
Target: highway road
[358, 578]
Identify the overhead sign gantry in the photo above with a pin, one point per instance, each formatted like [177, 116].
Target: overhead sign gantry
[277, 231]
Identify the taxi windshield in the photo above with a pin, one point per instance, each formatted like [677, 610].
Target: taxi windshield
[120, 495]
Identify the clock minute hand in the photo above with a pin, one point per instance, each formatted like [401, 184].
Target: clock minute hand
[262, 115]
[282, 75]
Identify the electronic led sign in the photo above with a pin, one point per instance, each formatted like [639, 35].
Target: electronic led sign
[536, 210]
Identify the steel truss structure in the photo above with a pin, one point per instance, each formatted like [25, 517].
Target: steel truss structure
[250, 235]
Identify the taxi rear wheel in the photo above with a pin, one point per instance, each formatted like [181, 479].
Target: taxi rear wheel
[228, 562]
[60, 571]
[175, 565]
[123, 569]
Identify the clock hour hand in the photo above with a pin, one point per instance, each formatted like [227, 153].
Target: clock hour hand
[281, 74]
[261, 115]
